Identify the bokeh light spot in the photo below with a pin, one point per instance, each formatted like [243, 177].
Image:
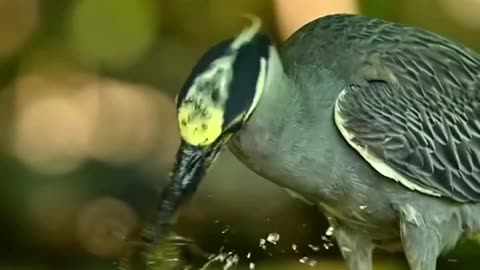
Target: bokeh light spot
[112, 33]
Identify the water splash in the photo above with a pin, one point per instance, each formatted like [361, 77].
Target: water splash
[327, 238]
[229, 260]
[308, 261]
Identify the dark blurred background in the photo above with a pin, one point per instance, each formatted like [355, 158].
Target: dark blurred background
[88, 133]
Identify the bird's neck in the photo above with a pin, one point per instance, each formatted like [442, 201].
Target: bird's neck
[288, 133]
[280, 93]
[278, 125]
[281, 101]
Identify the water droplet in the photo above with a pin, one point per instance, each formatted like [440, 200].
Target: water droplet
[326, 246]
[294, 247]
[363, 207]
[228, 259]
[273, 238]
[230, 262]
[262, 244]
[251, 266]
[324, 238]
[303, 260]
[329, 231]
[249, 255]
[312, 263]
[314, 248]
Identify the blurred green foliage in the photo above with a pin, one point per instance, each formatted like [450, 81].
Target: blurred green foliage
[387, 10]
[112, 33]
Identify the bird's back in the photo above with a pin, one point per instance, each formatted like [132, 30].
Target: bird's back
[414, 100]
[359, 48]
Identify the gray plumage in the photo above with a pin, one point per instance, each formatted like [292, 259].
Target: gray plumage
[412, 101]
[376, 123]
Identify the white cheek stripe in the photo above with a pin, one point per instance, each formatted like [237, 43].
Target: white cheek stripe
[260, 86]
[378, 164]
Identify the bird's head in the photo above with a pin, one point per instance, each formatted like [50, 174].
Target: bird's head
[220, 94]
[223, 89]
[217, 99]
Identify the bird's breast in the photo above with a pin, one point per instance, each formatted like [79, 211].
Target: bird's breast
[310, 159]
[259, 151]
[268, 154]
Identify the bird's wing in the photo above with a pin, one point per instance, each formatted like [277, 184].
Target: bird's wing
[420, 125]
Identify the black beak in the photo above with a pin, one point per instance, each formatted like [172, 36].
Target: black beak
[190, 166]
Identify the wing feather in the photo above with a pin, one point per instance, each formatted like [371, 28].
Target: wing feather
[429, 145]
[423, 128]
[411, 103]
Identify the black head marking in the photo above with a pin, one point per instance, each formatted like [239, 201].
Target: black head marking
[218, 51]
[246, 70]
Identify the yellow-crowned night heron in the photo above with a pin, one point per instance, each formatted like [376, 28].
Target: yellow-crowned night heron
[375, 122]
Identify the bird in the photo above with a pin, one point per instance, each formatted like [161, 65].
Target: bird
[376, 123]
